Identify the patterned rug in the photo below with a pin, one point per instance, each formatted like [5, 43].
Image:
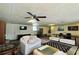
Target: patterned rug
[61, 46]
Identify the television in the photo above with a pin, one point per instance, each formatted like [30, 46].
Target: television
[72, 28]
[23, 27]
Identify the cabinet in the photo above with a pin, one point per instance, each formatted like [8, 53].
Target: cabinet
[2, 32]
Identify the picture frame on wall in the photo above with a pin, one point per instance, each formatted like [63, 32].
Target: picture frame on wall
[23, 27]
[60, 28]
[73, 28]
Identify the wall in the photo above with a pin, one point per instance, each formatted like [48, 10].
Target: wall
[54, 29]
[45, 29]
[12, 30]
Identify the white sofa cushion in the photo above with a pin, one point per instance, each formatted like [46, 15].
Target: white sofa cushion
[24, 39]
[28, 39]
[54, 38]
[68, 41]
[32, 39]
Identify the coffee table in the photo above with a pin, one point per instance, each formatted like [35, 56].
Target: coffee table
[48, 50]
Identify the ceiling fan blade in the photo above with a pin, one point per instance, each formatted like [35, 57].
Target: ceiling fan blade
[41, 16]
[37, 19]
[30, 13]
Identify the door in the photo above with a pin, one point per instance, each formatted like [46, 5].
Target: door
[40, 32]
[2, 32]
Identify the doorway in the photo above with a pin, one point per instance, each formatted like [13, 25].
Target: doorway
[40, 32]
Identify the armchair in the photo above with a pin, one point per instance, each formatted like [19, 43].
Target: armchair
[29, 43]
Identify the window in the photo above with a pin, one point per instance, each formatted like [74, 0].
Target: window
[35, 26]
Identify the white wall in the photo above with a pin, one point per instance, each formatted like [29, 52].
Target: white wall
[12, 30]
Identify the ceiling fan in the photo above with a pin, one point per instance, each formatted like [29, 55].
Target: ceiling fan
[34, 16]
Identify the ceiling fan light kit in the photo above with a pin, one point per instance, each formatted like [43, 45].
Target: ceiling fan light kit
[34, 20]
[51, 24]
[34, 16]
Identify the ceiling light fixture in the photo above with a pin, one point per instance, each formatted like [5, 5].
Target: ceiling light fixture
[51, 24]
[32, 21]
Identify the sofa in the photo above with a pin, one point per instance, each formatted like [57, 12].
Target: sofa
[29, 43]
